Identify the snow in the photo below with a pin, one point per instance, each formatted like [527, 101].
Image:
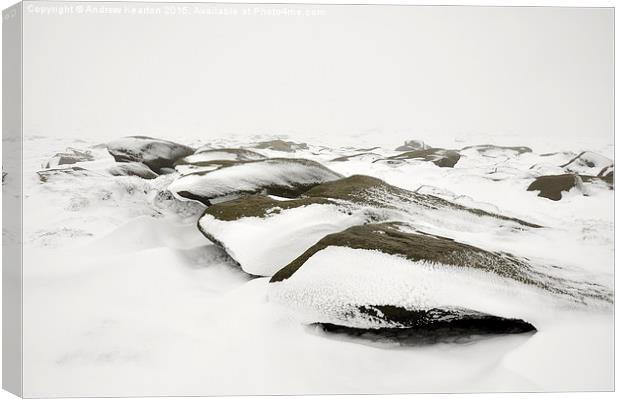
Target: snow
[124, 297]
[284, 235]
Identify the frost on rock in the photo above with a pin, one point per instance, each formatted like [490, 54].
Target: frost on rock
[389, 275]
[277, 176]
[155, 153]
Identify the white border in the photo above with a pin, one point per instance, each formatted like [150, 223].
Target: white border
[537, 3]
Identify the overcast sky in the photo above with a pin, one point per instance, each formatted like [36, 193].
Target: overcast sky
[375, 70]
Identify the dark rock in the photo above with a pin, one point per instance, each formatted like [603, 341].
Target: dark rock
[551, 186]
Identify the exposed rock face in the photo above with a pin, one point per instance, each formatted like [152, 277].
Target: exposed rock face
[277, 176]
[132, 169]
[155, 153]
[439, 156]
[552, 186]
[70, 156]
[413, 145]
[390, 275]
[281, 145]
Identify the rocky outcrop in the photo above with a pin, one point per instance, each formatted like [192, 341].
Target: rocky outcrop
[285, 177]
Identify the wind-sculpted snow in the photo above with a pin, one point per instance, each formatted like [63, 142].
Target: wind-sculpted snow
[348, 277]
[286, 228]
[277, 176]
[157, 154]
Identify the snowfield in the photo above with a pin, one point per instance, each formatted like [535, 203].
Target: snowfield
[132, 287]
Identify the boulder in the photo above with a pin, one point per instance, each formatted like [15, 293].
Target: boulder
[439, 156]
[391, 275]
[132, 169]
[552, 186]
[285, 177]
[413, 145]
[67, 172]
[155, 153]
[68, 157]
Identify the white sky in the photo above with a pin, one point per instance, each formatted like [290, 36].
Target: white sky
[375, 71]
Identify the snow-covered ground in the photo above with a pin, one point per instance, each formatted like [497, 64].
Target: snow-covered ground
[124, 296]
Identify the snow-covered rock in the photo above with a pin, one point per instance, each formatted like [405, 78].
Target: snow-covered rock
[587, 163]
[68, 157]
[413, 145]
[132, 169]
[439, 156]
[286, 228]
[157, 154]
[281, 145]
[389, 275]
[203, 154]
[493, 151]
[278, 176]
